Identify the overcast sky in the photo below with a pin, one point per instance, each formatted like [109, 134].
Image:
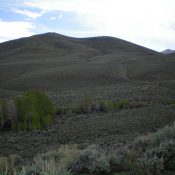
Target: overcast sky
[149, 23]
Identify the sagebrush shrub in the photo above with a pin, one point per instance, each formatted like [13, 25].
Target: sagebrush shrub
[157, 149]
[166, 150]
[8, 164]
[116, 158]
[149, 164]
[56, 160]
[84, 106]
[90, 160]
[154, 139]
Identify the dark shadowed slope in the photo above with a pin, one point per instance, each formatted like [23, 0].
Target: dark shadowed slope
[51, 61]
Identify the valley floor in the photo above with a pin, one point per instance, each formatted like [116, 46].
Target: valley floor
[117, 127]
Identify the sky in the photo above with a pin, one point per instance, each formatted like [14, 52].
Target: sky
[150, 23]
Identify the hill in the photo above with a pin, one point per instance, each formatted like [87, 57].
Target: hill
[54, 62]
[74, 69]
[168, 51]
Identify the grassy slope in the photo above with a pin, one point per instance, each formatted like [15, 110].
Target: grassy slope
[51, 61]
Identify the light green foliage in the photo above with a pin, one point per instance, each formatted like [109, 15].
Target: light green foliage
[106, 105]
[36, 122]
[34, 110]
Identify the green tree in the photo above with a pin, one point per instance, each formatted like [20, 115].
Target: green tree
[34, 109]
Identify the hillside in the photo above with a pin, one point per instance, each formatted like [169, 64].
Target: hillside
[73, 69]
[55, 62]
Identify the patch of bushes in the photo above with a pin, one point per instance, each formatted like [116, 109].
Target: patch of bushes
[117, 159]
[51, 163]
[148, 155]
[56, 162]
[87, 106]
[90, 160]
[106, 105]
[155, 139]
[33, 110]
[149, 164]
[156, 151]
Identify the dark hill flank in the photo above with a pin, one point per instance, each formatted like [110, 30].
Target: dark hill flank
[55, 62]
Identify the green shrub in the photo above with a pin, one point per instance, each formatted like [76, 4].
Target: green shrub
[106, 105]
[87, 105]
[155, 139]
[157, 149]
[116, 158]
[122, 104]
[166, 151]
[34, 111]
[149, 164]
[90, 160]
[53, 163]
[84, 106]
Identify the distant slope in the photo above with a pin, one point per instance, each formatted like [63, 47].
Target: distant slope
[52, 61]
[107, 45]
[168, 51]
